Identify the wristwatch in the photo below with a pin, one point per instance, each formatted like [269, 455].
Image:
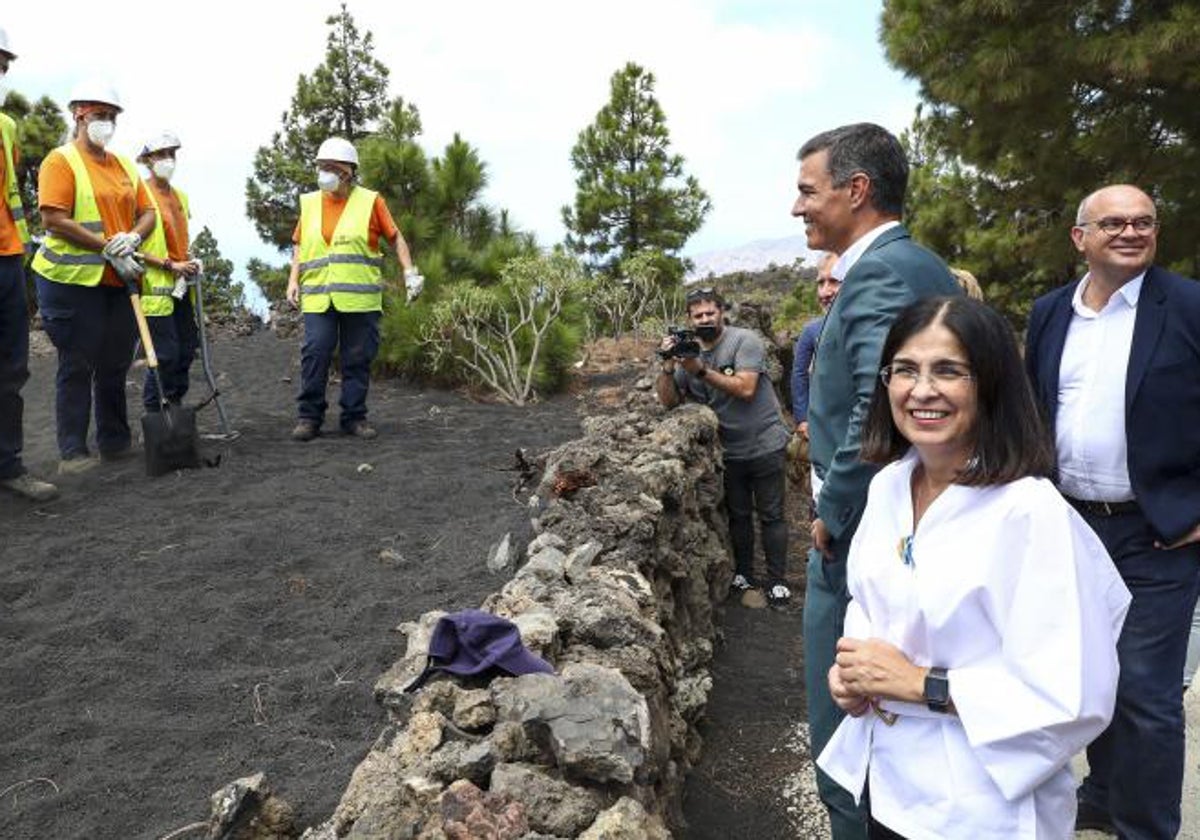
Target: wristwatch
[937, 690]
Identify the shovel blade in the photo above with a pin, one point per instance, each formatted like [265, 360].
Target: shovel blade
[171, 440]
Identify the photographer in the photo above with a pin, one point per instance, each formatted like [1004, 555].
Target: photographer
[724, 368]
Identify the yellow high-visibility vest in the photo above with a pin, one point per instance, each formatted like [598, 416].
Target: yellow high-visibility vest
[12, 187]
[66, 262]
[347, 273]
[157, 283]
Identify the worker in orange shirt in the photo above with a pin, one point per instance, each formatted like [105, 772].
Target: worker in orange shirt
[166, 298]
[337, 279]
[14, 311]
[96, 211]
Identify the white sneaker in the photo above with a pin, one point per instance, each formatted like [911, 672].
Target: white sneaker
[740, 583]
[77, 464]
[779, 595]
[33, 489]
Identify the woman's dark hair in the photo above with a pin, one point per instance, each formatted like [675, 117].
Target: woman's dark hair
[1011, 440]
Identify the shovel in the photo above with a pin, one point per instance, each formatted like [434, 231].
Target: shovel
[169, 436]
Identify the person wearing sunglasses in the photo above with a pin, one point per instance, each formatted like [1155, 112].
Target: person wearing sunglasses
[1115, 361]
[727, 372]
[979, 652]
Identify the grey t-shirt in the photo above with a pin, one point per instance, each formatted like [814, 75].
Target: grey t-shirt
[749, 428]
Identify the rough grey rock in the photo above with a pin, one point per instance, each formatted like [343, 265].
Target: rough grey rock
[456, 760]
[500, 556]
[545, 541]
[473, 710]
[594, 723]
[552, 805]
[539, 632]
[547, 564]
[246, 809]
[580, 560]
[627, 820]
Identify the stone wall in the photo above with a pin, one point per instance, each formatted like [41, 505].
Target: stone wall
[619, 593]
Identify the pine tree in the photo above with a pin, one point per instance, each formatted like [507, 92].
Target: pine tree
[631, 191]
[221, 293]
[1029, 106]
[345, 96]
[40, 128]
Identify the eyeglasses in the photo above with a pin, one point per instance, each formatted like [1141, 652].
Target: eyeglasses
[940, 375]
[1115, 225]
[703, 293]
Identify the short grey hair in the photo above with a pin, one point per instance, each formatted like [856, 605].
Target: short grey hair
[871, 150]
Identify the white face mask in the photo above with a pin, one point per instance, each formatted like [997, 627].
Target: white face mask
[327, 181]
[101, 131]
[164, 168]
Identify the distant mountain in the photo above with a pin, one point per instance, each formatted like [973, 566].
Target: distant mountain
[753, 256]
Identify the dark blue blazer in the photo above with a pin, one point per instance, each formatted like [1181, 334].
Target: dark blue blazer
[1162, 392]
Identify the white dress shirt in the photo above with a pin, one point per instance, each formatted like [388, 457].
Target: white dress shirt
[1090, 424]
[1012, 593]
[846, 261]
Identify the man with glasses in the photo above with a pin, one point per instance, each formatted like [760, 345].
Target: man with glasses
[728, 374]
[1115, 361]
[852, 184]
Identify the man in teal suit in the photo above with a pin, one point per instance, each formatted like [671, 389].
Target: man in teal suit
[852, 184]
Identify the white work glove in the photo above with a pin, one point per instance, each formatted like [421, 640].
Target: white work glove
[127, 268]
[122, 244]
[413, 283]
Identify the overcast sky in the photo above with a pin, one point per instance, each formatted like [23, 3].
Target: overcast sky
[742, 82]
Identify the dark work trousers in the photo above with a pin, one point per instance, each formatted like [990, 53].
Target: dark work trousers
[757, 484]
[1135, 767]
[356, 337]
[175, 342]
[14, 363]
[93, 329]
[825, 600]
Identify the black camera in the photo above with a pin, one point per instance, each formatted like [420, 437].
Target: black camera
[685, 347]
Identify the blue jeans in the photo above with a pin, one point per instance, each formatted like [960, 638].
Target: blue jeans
[1136, 765]
[825, 602]
[356, 336]
[93, 329]
[14, 364]
[758, 484]
[175, 342]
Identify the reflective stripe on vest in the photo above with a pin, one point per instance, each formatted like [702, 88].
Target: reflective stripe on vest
[12, 188]
[347, 273]
[158, 283]
[66, 262]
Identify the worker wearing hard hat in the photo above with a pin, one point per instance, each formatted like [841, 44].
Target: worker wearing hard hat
[337, 279]
[165, 287]
[14, 311]
[96, 211]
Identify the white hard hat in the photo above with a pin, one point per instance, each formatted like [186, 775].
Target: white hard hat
[4, 45]
[94, 91]
[163, 140]
[335, 148]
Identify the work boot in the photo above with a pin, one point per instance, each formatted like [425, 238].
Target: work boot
[33, 489]
[305, 430]
[361, 429]
[114, 456]
[77, 464]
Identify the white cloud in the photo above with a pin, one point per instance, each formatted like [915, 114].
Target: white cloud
[742, 85]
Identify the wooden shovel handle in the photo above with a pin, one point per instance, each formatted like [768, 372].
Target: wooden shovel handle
[135, 300]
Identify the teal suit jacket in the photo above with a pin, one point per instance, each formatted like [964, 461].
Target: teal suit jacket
[892, 273]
